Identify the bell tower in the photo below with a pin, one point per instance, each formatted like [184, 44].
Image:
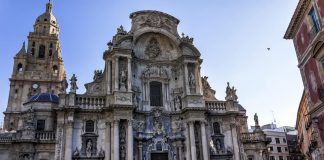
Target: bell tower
[38, 69]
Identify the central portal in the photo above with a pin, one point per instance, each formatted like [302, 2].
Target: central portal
[159, 156]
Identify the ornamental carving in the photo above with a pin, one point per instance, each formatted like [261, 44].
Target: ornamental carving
[153, 48]
[155, 72]
[154, 20]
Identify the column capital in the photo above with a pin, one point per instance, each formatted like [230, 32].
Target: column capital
[203, 122]
[116, 121]
[108, 123]
[191, 122]
[130, 122]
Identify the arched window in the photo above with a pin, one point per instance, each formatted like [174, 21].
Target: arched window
[89, 126]
[19, 67]
[156, 93]
[33, 44]
[55, 70]
[51, 45]
[41, 51]
[216, 128]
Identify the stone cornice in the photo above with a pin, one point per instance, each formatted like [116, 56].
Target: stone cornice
[296, 18]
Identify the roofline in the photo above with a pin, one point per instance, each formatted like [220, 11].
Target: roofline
[296, 18]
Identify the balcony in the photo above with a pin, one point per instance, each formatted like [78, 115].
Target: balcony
[216, 106]
[45, 136]
[90, 103]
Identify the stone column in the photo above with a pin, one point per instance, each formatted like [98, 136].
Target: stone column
[108, 136]
[116, 140]
[199, 84]
[112, 141]
[192, 141]
[116, 74]
[129, 75]
[109, 76]
[68, 140]
[140, 150]
[204, 140]
[179, 146]
[186, 78]
[187, 142]
[130, 140]
[235, 142]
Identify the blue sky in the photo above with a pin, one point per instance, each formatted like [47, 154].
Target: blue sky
[232, 36]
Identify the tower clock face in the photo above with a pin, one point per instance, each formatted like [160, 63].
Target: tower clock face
[35, 86]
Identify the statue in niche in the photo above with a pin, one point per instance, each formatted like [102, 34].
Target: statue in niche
[123, 79]
[212, 147]
[153, 48]
[101, 152]
[73, 84]
[177, 103]
[89, 148]
[218, 145]
[191, 80]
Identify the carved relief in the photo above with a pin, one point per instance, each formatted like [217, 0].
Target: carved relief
[153, 48]
[155, 72]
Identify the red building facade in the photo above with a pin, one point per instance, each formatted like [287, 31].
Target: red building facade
[306, 31]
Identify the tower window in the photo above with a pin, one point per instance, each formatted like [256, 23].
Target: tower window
[19, 67]
[89, 126]
[40, 125]
[33, 44]
[51, 45]
[216, 128]
[156, 93]
[33, 51]
[50, 53]
[45, 19]
[55, 70]
[41, 52]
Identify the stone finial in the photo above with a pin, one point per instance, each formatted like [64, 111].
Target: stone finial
[73, 84]
[230, 93]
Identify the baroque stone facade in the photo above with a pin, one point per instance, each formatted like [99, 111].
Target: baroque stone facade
[149, 102]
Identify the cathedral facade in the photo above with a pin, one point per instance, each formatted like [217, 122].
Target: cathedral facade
[149, 102]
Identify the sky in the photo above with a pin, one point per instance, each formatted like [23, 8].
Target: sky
[232, 37]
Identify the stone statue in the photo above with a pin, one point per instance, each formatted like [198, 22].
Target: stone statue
[73, 84]
[121, 30]
[191, 80]
[123, 79]
[256, 119]
[230, 93]
[212, 147]
[64, 84]
[218, 145]
[177, 103]
[89, 148]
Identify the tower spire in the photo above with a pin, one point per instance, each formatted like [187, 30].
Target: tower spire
[49, 6]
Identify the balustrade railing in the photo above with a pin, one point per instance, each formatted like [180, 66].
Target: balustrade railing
[219, 106]
[4, 139]
[252, 137]
[87, 102]
[45, 136]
